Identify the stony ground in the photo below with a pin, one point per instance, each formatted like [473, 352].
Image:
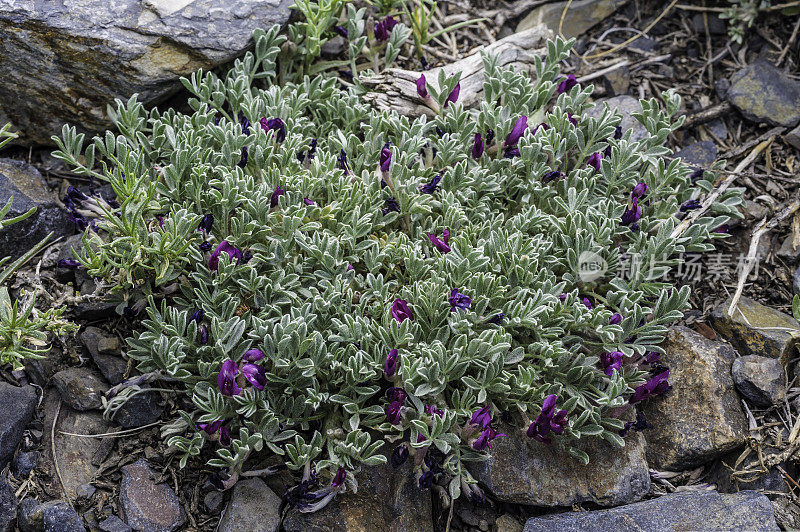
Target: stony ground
[720, 448]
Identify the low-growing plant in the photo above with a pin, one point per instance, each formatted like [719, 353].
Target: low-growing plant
[334, 284]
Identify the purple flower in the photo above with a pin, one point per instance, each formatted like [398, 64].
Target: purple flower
[386, 158]
[255, 374]
[422, 87]
[553, 175]
[639, 190]
[206, 223]
[203, 334]
[432, 410]
[341, 30]
[342, 161]
[245, 124]
[549, 420]
[497, 319]
[223, 247]
[68, 264]
[696, 175]
[401, 311]
[615, 319]
[426, 480]
[562, 297]
[517, 131]
[651, 357]
[618, 133]
[210, 428]
[383, 28]
[481, 417]
[204, 246]
[391, 206]
[253, 355]
[274, 124]
[276, 194]
[632, 214]
[453, 96]
[477, 146]
[226, 380]
[484, 441]
[243, 161]
[691, 205]
[611, 362]
[639, 425]
[594, 160]
[566, 84]
[197, 316]
[512, 152]
[587, 303]
[724, 228]
[338, 479]
[443, 244]
[431, 186]
[309, 201]
[391, 364]
[655, 386]
[572, 119]
[399, 456]
[75, 194]
[224, 436]
[394, 412]
[458, 300]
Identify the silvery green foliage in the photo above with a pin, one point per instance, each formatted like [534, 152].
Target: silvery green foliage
[326, 330]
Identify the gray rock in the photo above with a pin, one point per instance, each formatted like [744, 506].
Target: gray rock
[80, 388]
[760, 379]
[25, 184]
[111, 365]
[148, 506]
[582, 15]
[84, 493]
[624, 105]
[19, 404]
[213, 500]
[253, 507]
[702, 153]
[507, 523]
[74, 454]
[387, 499]
[92, 311]
[24, 463]
[755, 329]
[141, 409]
[65, 61]
[688, 510]
[617, 81]
[57, 516]
[762, 93]
[700, 418]
[28, 520]
[112, 523]
[716, 26]
[787, 251]
[718, 128]
[522, 471]
[793, 137]
[8, 506]
[734, 473]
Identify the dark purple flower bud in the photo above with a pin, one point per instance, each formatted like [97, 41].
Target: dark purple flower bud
[724, 228]
[562, 297]
[276, 194]
[655, 386]
[633, 213]
[651, 357]
[489, 137]
[481, 417]
[453, 96]
[587, 303]
[696, 175]
[68, 264]
[477, 146]
[520, 126]
[512, 152]
[432, 185]
[341, 30]
[618, 133]
[243, 161]
[691, 205]
[639, 425]
[396, 394]
[383, 28]
[205, 246]
[572, 119]
[391, 364]
[203, 334]
[255, 374]
[342, 160]
[226, 380]
[401, 311]
[338, 479]
[224, 436]
[615, 319]
[197, 316]
[386, 158]
[426, 480]
[309, 201]
[549, 420]
[245, 123]
[75, 194]
[422, 87]
[160, 222]
[431, 410]
[206, 223]
[441, 245]
[223, 247]
[497, 319]
[391, 206]
[209, 428]
[551, 176]
[253, 355]
[594, 161]
[484, 441]
[394, 412]
[611, 362]
[399, 456]
[276, 125]
[566, 84]
[458, 300]
[639, 190]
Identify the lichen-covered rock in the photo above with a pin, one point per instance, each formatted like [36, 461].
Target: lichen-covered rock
[19, 404]
[25, 184]
[111, 364]
[523, 471]
[625, 105]
[387, 499]
[755, 329]
[80, 388]
[253, 507]
[75, 454]
[688, 510]
[51, 516]
[8, 506]
[702, 153]
[64, 61]
[581, 15]
[700, 418]
[148, 506]
[763, 93]
[762, 380]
